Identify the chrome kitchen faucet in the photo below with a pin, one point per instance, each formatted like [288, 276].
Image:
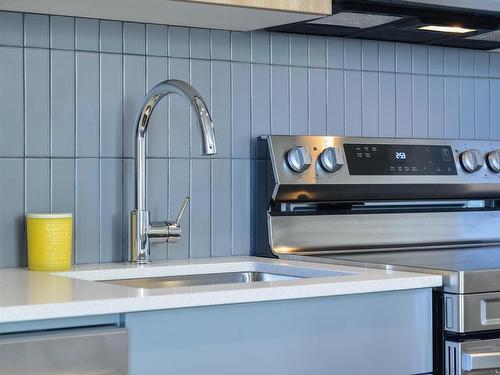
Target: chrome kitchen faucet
[142, 230]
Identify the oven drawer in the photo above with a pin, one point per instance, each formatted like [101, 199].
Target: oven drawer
[463, 313]
[88, 351]
[479, 357]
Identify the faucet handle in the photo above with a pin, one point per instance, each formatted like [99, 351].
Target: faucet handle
[181, 211]
[167, 231]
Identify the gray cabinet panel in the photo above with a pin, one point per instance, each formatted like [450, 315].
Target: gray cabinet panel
[380, 333]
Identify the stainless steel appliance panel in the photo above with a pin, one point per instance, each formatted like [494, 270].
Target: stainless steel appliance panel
[310, 234]
[88, 351]
[307, 180]
[480, 357]
[471, 312]
[464, 270]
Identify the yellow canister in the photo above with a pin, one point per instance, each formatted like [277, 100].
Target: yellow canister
[50, 241]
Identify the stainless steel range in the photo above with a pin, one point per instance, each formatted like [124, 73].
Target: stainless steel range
[407, 204]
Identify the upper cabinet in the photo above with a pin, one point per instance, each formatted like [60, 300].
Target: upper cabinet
[218, 14]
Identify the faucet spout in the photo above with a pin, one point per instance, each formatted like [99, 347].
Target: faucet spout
[175, 86]
[154, 96]
[140, 225]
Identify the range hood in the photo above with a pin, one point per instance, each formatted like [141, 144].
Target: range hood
[453, 23]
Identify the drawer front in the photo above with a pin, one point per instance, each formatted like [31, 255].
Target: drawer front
[480, 357]
[471, 312]
[102, 350]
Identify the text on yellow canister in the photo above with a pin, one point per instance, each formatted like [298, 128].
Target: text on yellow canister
[50, 241]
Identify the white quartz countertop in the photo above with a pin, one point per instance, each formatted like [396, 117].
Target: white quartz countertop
[27, 295]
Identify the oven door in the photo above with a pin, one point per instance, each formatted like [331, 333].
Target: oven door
[478, 357]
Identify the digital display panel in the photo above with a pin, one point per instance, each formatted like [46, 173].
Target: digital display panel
[400, 155]
[376, 159]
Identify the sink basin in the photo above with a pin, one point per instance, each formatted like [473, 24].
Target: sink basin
[198, 273]
[201, 279]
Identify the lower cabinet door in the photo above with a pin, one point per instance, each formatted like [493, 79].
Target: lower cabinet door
[88, 351]
[386, 333]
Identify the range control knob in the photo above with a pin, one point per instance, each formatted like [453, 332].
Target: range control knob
[298, 159]
[471, 160]
[330, 160]
[493, 160]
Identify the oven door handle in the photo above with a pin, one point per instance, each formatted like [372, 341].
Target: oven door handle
[480, 361]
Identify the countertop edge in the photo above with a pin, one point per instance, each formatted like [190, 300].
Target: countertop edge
[22, 313]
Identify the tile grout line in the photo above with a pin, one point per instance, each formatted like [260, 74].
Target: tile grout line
[190, 163]
[75, 164]
[490, 135]
[445, 112]
[428, 102]
[443, 132]
[289, 86]
[168, 143]
[99, 143]
[378, 90]
[211, 214]
[210, 166]
[474, 93]
[252, 177]
[308, 100]
[362, 103]
[167, 100]
[231, 148]
[50, 118]
[327, 91]
[412, 87]
[396, 111]
[24, 257]
[125, 246]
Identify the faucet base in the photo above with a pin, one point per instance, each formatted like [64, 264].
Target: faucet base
[139, 241]
[143, 233]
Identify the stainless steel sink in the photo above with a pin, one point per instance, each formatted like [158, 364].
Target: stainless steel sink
[201, 279]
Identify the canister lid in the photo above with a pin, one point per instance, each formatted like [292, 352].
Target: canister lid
[49, 216]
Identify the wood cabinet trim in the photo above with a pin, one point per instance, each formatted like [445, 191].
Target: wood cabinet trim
[299, 6]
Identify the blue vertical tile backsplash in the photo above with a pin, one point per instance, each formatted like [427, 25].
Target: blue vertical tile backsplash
[71, 88]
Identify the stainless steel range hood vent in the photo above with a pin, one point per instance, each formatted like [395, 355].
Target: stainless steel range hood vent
[357, 20]
[492, 36]
[454, 23]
